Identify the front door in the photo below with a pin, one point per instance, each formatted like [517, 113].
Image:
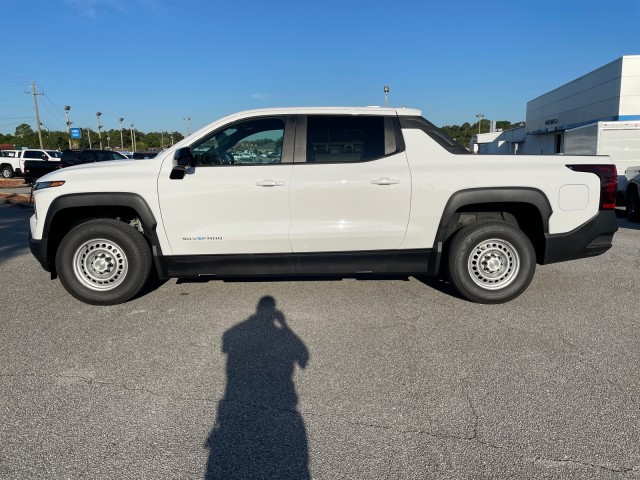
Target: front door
[236, 199]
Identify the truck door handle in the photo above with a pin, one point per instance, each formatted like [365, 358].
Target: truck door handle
[269, 183]
[385, 181]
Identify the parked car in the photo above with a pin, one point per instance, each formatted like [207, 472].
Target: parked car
[632, 195]
[35, 169]
[355, 191]
[77, 157]
[141, 155]
[45, 155]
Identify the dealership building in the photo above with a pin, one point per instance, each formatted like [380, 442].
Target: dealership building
[610, 93]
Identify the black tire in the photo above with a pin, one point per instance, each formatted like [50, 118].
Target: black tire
[103, 262]
[633, 204]
[491, 262]
[7, 171]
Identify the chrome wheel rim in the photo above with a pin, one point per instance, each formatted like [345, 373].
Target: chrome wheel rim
[100, 264]
[493, 264]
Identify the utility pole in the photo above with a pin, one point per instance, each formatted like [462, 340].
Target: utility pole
[66, 113]
[89, 137]
[99, 127]
[121, 137]
[172, 139]
[133, 140]
[161, 139]
[35, 103]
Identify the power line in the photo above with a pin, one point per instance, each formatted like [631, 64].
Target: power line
[12, 97]
[50, 100]
[17, 106]
[15, 79]
[55, 114]
[8, 124]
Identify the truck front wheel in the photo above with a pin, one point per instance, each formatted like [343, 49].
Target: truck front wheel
[491, 262]
[103, 262]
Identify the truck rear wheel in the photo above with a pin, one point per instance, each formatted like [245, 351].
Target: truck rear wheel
[103, 262]
[491, 262]
[7, 171]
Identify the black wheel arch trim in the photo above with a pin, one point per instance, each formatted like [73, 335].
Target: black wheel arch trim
[109, 199]
[471, 196]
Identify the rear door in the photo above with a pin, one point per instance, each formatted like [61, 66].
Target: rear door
[350, 186]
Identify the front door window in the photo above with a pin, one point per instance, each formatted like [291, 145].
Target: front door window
[251, 142]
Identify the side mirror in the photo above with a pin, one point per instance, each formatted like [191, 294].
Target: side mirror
[184, 157]
[178, 172]
[45, 157]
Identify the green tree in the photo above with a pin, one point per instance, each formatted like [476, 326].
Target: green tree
[23, 130]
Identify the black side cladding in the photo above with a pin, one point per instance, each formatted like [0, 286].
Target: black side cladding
[441, 138]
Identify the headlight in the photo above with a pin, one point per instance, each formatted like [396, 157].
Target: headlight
[41, 185]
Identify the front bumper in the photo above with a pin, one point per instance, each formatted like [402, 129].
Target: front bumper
[39, 250]
[590, 239]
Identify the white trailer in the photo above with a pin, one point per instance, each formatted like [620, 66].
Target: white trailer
[620, 140]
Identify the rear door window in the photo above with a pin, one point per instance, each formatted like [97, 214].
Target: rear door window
[33, 154]
[341, 139]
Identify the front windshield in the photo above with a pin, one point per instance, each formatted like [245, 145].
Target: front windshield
[54, 153]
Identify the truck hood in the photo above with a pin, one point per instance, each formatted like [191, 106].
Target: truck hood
[139, 176]
[108, 170]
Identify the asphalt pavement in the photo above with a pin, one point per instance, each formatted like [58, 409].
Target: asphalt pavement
[325, 379]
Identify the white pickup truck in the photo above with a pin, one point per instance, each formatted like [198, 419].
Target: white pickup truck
[11, 163]
[327, 191]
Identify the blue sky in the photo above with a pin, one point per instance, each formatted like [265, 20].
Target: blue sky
[154, 62]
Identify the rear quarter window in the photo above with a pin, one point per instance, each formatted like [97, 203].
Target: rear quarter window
[434, 132]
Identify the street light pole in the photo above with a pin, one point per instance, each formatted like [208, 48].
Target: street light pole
[386, 96]
[479, 116]
[66, 113]
[133, 142]
[89, 137]
[186, 123]
[99, 127]
[121, 137]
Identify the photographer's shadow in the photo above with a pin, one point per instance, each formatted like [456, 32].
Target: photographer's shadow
[258, 431]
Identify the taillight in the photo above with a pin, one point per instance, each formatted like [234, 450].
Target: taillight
[608, 182]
